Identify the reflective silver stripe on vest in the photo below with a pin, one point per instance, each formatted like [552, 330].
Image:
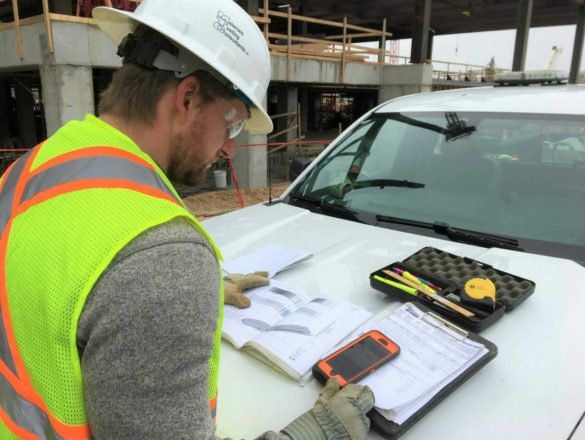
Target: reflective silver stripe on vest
[97, 167]
[25, 414]
[6, 201]
[7, 195]
[21, 411]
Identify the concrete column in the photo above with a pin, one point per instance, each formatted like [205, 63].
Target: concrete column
[251, 163]
[281, 107]
[4, 127]
[522, 29]
[405, 80]
[304, 100]
[292, 99]
[67, 94]
[430, 45]
[25, 113]
[420, 31]
[577, 46]
[287, 103]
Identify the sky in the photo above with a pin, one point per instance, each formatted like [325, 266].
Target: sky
[480, 47]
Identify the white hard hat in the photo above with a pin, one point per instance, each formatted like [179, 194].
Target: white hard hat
[222, 37]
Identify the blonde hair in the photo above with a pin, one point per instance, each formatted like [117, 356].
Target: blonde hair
[135, 91]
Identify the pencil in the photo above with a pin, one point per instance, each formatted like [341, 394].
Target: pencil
[450, 304]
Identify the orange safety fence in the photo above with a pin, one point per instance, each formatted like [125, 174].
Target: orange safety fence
[283, 144]
[241, 202]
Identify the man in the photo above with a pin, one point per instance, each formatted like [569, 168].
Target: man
[111, 294]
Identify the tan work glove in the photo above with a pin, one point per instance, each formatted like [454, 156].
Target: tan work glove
[337, 414]
[236, 283]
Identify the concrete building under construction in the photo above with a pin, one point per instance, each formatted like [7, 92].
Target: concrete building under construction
[331, 62]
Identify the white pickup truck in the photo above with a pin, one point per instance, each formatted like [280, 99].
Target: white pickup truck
[496, 174]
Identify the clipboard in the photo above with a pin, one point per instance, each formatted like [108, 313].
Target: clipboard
[391, 430]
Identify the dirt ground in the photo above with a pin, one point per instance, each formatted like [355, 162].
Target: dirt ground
[217, 202]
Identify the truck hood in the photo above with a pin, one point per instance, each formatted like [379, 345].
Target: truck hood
[534, 387]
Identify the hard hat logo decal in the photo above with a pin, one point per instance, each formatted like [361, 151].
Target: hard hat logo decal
[225, 26]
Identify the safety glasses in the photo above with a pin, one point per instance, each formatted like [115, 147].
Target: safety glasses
[234, 120]
[235, 123]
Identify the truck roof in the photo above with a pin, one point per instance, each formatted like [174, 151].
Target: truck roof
[543, 99]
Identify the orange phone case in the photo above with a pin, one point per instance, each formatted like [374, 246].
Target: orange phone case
[325, 369]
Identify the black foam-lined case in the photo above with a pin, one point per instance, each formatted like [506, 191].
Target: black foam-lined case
[450, 272]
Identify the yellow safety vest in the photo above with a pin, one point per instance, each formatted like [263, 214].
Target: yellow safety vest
[67, 208]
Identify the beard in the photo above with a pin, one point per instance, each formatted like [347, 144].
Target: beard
[185, 165]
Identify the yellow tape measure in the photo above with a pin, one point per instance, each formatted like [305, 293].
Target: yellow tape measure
[480, 292]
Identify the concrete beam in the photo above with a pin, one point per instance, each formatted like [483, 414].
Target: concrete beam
[34, 46]
[306, 71]
[522, 30]
[78, 44]
[405, 80]
[67, 94]
[83, 45]
[75, 44]
[324, 72]
[577, 46]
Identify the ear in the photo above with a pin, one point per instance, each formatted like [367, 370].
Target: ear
[187, 96]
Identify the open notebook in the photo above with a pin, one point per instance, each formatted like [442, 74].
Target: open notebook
[289, 330]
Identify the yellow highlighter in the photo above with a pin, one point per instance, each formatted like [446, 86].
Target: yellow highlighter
[402, 287]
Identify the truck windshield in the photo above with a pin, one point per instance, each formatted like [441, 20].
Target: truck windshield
[516, 175]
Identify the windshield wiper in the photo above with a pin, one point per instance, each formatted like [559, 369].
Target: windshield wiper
[403, 221]
[456, 234]
[330, 208]
[388, 182]
[456, 128]
[478, 238]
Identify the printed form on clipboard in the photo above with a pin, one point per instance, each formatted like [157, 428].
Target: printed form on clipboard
[434, 355]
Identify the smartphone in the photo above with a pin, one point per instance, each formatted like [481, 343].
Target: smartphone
[357, 359]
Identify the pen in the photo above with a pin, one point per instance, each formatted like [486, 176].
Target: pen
[455, 307]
